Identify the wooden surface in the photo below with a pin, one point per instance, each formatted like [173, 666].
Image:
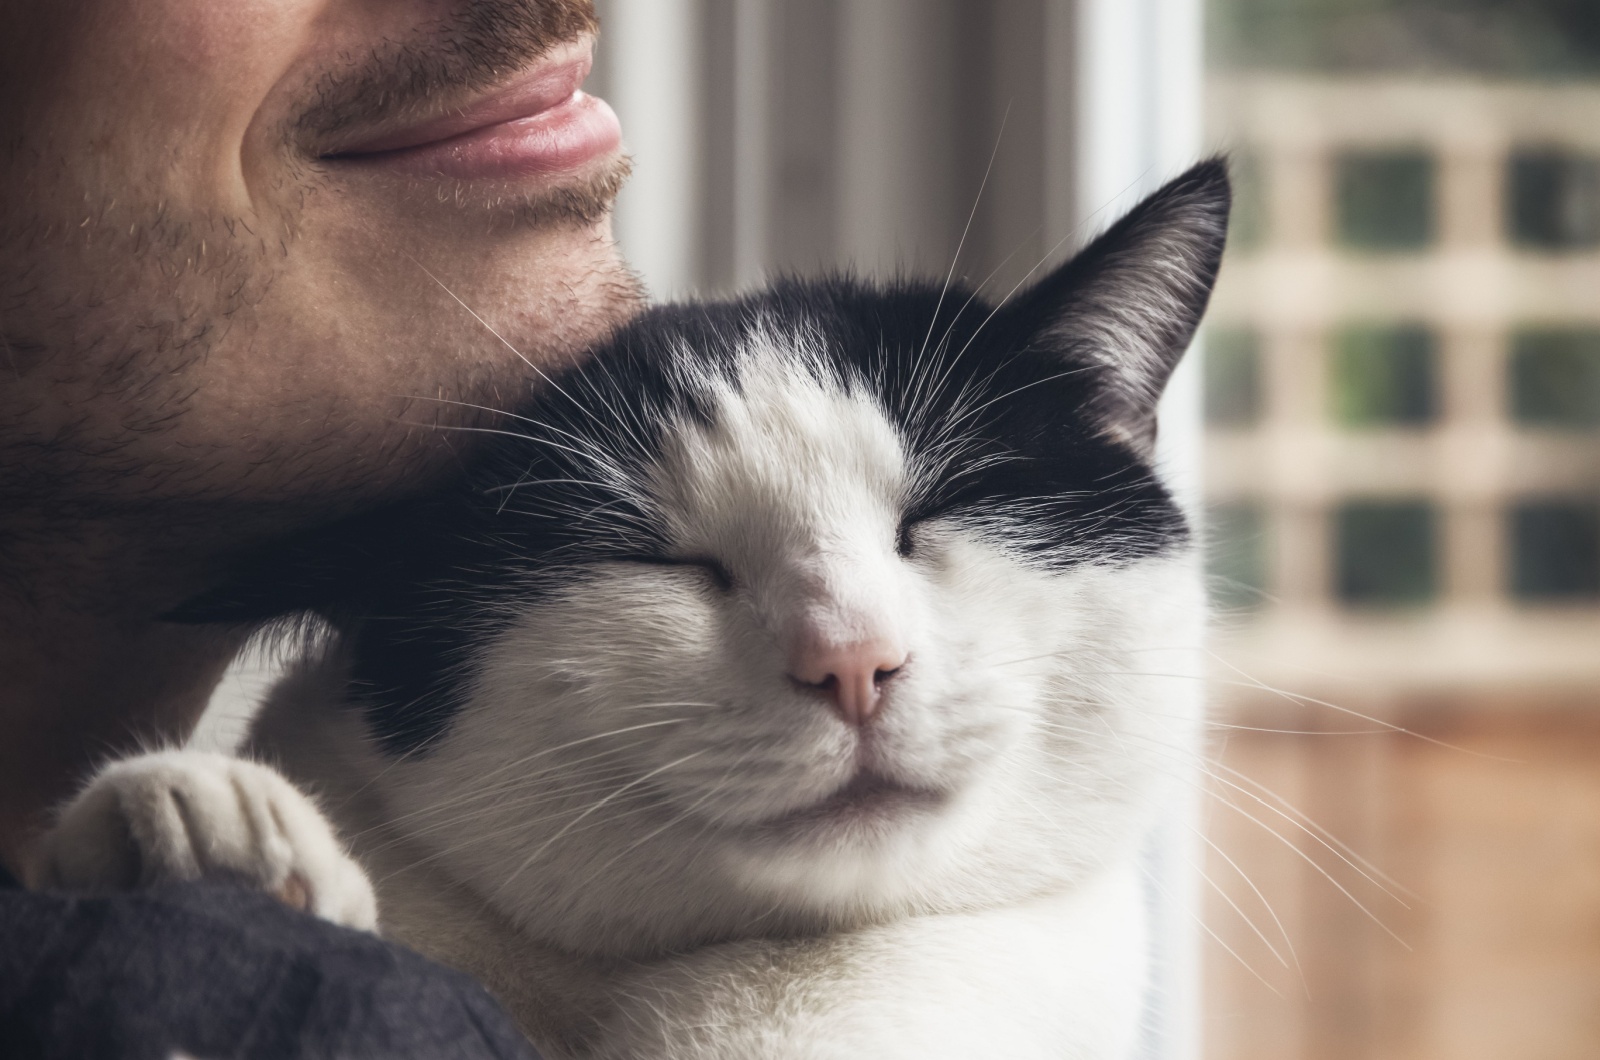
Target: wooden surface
[1493, 843]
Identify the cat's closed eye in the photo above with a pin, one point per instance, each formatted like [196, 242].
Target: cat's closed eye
[715, 572]
[905, 538]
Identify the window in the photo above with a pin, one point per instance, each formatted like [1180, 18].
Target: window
[1247, 226]
[1385, 552]
[1555, 378]
[1232, 377]
[1553, 200]
[1384, 200]
[1384, 376]
[1236, 554]
[1555, 550]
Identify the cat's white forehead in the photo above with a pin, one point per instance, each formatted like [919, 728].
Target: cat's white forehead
[787, 445]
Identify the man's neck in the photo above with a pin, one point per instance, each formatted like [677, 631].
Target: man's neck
[84, 684]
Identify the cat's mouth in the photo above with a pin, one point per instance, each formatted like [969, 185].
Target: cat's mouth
[868, 797]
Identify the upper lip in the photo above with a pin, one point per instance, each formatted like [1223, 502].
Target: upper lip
[552, 81]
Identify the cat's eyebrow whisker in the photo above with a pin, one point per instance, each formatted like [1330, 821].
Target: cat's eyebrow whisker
[1043, 259]
[488, 327]
[521, 483]
[972, 214]
[980, 286]
[520, 436]
[541, 424]
[967, 415]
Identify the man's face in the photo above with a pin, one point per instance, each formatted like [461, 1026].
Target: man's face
[244, 244]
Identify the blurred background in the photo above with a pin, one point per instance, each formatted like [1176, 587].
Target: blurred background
[1402, 470]
[1392, 433]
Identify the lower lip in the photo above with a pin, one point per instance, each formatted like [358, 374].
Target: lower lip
[557, 141]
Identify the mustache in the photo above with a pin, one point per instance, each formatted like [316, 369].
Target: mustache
[472, 48]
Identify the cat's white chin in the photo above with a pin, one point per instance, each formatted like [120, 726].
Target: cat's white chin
[874, 849]
[868, 800]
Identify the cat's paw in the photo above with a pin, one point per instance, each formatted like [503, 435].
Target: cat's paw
[188, 815]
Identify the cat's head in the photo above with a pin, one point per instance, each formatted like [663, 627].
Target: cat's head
[830, 603]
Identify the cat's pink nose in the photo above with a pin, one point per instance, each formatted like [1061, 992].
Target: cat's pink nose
[850, 675]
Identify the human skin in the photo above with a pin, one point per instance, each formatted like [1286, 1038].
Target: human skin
[214, 327]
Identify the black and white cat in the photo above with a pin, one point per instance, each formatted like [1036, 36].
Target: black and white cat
[795, 678]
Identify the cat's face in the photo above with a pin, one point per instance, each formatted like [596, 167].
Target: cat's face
[833, 604]
[671, 743]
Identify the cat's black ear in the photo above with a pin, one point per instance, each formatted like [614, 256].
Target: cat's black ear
[337, 568]
[1129, 303]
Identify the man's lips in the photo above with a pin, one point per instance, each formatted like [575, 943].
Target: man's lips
[539, 124]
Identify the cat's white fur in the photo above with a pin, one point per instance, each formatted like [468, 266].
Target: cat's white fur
[612, 833]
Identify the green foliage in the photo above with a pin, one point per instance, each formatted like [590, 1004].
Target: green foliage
[1516, 38]
[1555, 550]
[1555, 378]
[1384, 200]
[1232, 377]
[1386, 553]
[1553, 200]
[1236, 555]
[1384, 376]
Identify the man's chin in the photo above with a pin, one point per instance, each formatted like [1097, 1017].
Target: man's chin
[574, 200]
[583, 202]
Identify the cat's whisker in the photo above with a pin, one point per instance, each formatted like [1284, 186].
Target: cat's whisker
[1251, 924]
[972, 214]
[971, 413]
[527, 800]
[430, 823]
[1295, 697]
[521, 827]
[1151, 879]
[1310, 830]
[862, 484]
[488, 327]
[1283, 931]
[1306, 822]
[518, 766]
[1384, 727]
[596, 807]
[977, 289]
[1198, 764]
[683, 815]
[1321, 870]
[586, 443]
